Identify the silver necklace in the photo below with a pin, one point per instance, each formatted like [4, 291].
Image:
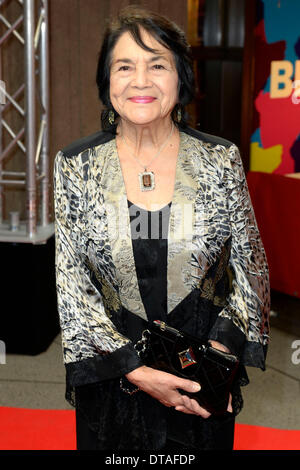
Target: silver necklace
[147, 178]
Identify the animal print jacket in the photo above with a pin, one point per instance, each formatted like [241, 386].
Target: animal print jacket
[217, 276]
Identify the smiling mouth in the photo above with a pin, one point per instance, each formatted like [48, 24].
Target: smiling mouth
[142, 99]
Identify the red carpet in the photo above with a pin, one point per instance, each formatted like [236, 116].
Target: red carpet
[261, 438]
[24, 429]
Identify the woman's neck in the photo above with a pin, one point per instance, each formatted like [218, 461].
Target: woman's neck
[145, 137]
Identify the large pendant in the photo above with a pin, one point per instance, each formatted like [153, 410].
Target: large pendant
[147, 182]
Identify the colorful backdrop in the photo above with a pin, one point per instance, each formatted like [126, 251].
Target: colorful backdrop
[275, 142]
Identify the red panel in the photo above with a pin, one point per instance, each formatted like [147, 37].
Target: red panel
[276, 202]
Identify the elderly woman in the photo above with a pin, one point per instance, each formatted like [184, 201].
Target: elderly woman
[153, 221]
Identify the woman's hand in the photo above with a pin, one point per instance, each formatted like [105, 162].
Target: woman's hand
[164, 387]
[220, 346]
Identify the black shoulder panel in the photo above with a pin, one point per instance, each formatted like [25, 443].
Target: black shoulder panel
[213, 139]
[102, 137]
[84, 143]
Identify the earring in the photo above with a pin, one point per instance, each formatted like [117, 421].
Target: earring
[179, 116]
[111, 117]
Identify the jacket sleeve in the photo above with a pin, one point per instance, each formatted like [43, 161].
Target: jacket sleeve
[93, 349]
[243, 324]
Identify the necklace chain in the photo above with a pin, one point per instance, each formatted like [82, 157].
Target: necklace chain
[156, 155]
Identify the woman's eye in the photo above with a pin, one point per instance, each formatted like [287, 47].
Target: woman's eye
[124, 68]
[158, 67]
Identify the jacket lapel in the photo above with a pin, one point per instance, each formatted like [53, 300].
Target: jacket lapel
[119, 232]
[181, 224]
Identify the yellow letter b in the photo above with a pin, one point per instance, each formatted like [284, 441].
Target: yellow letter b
[281, 73]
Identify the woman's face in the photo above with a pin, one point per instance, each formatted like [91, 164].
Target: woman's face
[143, 85]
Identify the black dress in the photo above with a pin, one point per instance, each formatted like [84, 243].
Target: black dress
[108, 418]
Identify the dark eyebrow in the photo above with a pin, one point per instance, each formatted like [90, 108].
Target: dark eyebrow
[129, 61]
[157, 57]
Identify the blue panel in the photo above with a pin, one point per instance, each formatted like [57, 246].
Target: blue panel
[282, 24]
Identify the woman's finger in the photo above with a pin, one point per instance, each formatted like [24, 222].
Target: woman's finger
[187, 402]
[229, 409]
[194, 407]
[199, 410]
[166, 403]
[184, 410]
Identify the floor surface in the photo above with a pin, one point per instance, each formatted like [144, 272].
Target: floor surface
[271, 399]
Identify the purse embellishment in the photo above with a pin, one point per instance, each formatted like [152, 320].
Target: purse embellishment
[187, 358]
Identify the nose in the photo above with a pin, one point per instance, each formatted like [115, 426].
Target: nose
[141, 77]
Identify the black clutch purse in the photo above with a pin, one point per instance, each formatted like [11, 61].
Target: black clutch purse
[167, 349]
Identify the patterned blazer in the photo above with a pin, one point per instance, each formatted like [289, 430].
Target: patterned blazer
[217, 273]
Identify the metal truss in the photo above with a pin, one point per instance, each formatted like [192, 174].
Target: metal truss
[32, 139]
